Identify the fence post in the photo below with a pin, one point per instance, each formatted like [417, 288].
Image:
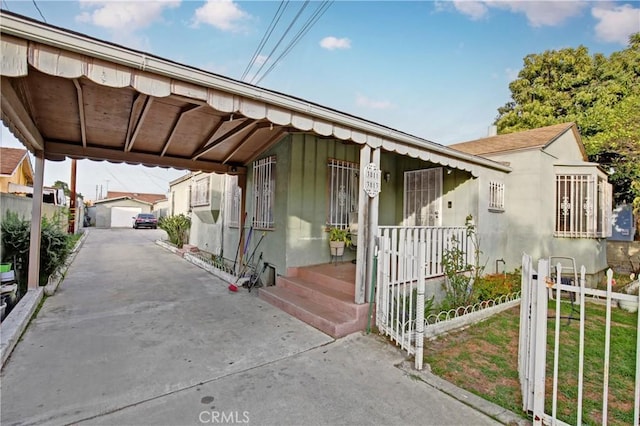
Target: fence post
[526, 324]
[540, 341]
[420, 306]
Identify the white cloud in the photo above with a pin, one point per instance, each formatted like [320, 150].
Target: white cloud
[538, 13]
[474, 9]
[332, 43]
[363, 101]
[616, 24]
[225, 15]
[120, 16]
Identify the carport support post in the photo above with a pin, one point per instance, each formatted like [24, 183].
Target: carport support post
[242, 183]
[36, 223]
[363, 219]
[372, 230]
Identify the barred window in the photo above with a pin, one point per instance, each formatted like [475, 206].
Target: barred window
[583, 206]
[200, 193]
[233, 196]
[343, 192]
[496, 196]
[423, 197]
[264, 189]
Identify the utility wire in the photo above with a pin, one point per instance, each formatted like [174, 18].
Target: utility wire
[39, 11]
[303, 31]
[6, 6]
[266, 36]
[281, 38]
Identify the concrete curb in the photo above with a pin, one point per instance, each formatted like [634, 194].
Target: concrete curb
[488, 408]
[16, 323]
[56, 278]
[224, 276]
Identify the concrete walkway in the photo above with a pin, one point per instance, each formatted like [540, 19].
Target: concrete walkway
[135, 335]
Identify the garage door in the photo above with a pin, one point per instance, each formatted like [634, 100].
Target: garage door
[121, 216]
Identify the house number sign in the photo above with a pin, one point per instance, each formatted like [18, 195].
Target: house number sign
[372, 180]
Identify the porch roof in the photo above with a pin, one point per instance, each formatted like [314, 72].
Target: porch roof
[71, 95]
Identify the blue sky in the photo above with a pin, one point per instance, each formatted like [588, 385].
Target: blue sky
[434, 69]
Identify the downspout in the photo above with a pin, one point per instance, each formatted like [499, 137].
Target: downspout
[33, 278]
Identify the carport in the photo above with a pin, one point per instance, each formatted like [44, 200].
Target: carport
[68, 95]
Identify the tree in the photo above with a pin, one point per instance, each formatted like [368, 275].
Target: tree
[601, 95]
[65, 187]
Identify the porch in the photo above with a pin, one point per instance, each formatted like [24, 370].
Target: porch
[323, 295]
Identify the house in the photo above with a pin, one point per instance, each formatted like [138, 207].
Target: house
[270, 173]
[554, 201]
[15, 168]
[119, 208]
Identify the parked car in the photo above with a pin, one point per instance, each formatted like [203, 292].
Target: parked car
[145, 220]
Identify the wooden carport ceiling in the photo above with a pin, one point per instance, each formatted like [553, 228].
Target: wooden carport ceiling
[83, 119]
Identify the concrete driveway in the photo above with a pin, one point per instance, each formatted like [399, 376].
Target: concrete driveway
[136, 335]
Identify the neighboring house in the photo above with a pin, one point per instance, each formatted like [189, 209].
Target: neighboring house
[179, 193]
[161, 208]
[555, 202]
[118, 212]
[15, 168]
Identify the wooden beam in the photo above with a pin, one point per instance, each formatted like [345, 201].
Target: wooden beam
[19, 118]
[211, 135]
[83, 127]
[136, 132]
[117, 155]
[183, 112]
[251, 133]
[212, 144]
[134, 115]
[258, 151]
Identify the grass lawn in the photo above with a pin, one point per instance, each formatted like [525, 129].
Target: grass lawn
[483, 359]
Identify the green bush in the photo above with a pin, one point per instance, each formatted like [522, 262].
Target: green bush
[55, 245]
[492, 286]
[176, 227]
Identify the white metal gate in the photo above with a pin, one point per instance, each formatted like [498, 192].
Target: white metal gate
[532, 353]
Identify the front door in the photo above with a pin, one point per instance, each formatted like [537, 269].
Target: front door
[423, 197]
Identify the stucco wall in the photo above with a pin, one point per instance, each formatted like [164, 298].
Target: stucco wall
[179, 197]
[23, 205]
[530, 211]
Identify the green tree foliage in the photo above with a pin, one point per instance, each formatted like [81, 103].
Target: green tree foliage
[601, 95]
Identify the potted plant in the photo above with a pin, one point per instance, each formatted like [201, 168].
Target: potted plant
[338, 239]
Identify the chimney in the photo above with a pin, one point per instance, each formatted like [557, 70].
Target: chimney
[492, 131]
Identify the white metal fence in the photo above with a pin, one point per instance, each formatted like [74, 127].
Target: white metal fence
[532, 353]
[407, 257]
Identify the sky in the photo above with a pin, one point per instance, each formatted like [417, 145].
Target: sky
[438, 70]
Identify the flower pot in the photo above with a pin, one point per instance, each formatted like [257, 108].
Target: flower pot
[628, 306]
[336, 247]
[5, 267]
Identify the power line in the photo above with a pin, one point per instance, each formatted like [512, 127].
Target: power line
[6, 5]
[303, 31]
[39, 11]
[266, 36]
[281, 38]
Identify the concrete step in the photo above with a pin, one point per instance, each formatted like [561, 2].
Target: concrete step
[330, 321]
[336, 277]
[323, 295]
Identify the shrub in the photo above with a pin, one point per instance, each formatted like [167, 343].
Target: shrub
[176, 227]
[55, 245]
[492, 286]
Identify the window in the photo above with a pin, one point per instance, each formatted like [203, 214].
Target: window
[200, 193]
[233, 196]
[343, 192]
[423, 197]
[496, 196]
[583, 206]
[264, 186]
